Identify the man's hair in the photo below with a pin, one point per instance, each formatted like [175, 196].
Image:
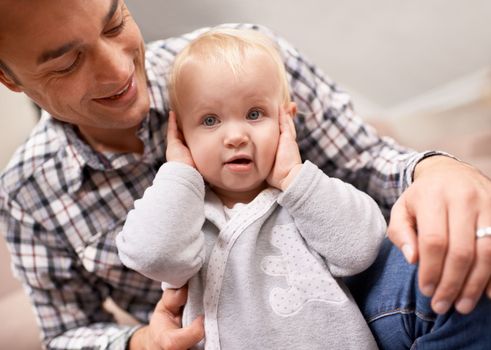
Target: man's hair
[229, 46]
[8, 72]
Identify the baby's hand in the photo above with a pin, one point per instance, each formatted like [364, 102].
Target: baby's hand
[288, 161]
[177, 150]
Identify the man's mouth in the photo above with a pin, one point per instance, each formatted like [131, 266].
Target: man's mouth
[122, 97]
[120, 93]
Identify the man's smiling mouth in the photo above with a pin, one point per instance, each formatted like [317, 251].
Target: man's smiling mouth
[121, 97]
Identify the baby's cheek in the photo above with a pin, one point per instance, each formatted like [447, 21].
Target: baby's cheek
[274, 144]
[199, 159]
[206, 161]
[269, 158]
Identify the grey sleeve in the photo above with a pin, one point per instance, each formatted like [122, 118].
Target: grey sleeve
[342, 224]
[162, 237]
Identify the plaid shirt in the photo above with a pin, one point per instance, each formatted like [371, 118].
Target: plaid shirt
[63, 203]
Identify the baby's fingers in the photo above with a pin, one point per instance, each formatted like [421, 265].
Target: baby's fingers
[176, 146]
[173, 132]
[287, 126]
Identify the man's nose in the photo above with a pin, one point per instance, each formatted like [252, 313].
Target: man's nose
[111, 65]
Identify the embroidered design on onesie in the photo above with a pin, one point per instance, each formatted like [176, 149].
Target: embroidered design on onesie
[308, 280]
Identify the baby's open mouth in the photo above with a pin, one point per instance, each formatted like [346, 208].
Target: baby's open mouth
[239, 161]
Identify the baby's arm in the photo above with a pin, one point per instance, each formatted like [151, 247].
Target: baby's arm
[162, 236]
[341, 223]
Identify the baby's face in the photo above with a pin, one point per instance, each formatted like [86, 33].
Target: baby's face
[231, 123]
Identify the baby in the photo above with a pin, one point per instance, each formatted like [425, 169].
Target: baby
[261, 238]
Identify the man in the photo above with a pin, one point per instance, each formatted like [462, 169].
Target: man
[66, 192]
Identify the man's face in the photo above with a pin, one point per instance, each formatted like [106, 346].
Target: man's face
[231, 122]
[81, 60]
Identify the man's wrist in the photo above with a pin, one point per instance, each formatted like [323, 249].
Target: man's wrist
[433, 161]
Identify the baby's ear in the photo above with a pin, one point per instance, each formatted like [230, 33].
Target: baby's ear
[292, 109]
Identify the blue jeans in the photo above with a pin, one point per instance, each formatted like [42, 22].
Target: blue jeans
[400, 317]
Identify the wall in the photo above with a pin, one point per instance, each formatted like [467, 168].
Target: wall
[386, 50]
[17, 117]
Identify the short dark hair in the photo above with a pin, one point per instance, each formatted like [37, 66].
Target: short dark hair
[9, 72]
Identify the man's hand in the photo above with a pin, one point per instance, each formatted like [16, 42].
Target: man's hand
[436, 218]
[288, 161]
[164, 331]
[176, 146]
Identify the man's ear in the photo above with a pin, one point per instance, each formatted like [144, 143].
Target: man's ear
[292, 109]
[10, 83]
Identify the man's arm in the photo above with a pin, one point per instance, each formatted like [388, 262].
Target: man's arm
[436, 220]
[67, 300]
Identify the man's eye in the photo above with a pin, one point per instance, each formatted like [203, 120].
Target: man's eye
[254, 115]
[71, 67]
[210, 120]
[118, 29]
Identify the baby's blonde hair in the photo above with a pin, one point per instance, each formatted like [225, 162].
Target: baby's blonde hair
[230, 46]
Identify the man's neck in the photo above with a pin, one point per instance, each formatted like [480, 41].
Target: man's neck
[112, 140]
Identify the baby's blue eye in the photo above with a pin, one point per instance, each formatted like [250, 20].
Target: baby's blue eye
[210, 120]
[254, 115]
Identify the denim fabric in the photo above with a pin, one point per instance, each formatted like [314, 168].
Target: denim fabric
[400, 317]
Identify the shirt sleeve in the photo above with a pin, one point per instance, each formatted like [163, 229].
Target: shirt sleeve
[162, 237]
[68, 302]
[342, 224]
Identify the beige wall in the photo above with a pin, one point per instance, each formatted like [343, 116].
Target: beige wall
[389, 51]
[17, 117]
